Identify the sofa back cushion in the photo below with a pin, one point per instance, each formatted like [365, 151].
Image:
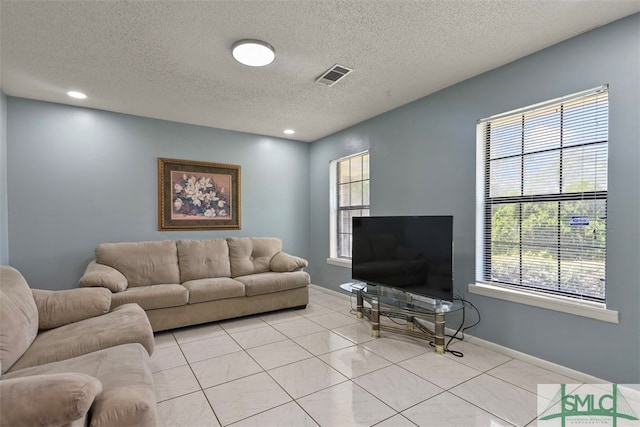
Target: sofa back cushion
[18, 316]
[203, 259]
[251, 255]
[142, 263]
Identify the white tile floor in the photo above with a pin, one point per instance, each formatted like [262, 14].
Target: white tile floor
[320, 366]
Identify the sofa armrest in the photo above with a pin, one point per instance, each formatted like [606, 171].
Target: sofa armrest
[58, 308]
[283, 262]
[100, 275]
[46, 400]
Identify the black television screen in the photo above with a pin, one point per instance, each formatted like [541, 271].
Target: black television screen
[412, 253]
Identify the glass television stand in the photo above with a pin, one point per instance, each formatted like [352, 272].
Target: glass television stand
[424, 317]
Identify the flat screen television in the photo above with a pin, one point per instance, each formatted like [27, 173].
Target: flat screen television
[412, 253]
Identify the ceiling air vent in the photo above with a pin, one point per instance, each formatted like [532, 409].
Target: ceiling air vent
[333, 75]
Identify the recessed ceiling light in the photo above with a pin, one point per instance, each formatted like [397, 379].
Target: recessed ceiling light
[253, 53]
[289, 131]
[76, 94]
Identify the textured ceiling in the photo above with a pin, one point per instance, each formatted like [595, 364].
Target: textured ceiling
[171, 59]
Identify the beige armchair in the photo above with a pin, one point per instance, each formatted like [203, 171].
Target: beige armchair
[66, 360]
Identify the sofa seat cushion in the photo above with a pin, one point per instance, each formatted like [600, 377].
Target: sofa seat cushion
[266, 283]
[125, 324]
[150, 297]
[252, 255]
[128, 393]
[213, 289]
[203, 259]
[142, 263]
[18, 316]
[63, 399]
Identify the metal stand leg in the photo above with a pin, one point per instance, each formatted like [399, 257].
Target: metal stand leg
[375, 318]
[439, 332]
[359, 305]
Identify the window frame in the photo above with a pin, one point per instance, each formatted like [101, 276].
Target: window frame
[336, 208]
[518, 292]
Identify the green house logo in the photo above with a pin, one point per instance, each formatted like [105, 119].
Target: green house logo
[580, 408]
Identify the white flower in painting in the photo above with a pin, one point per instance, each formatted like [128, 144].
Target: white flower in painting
[222, 212]
[211, 197]
[205, 182]
[190, 189]
[184, 176]
[177, 204]
[209, 213]
[221, 203]
[177, 188]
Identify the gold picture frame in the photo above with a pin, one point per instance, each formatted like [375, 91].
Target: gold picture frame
[194, 195]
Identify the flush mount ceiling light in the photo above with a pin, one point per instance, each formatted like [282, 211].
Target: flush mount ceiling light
[289, 131]
[253, 53]
[77, 95]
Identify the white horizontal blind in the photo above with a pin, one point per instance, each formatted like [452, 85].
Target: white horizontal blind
[352, 193]
[544, 196]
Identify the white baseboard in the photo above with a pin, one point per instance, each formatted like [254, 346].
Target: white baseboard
[330, 291]
[541, 363]
[536, 361]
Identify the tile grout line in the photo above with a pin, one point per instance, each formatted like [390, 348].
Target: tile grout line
[198, 381]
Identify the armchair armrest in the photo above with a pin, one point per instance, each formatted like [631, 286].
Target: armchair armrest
[57, 308]
[283, 262]
[100, 275]
[46, 400]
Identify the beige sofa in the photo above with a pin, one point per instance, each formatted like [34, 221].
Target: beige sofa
[66, 360]
[188, 282]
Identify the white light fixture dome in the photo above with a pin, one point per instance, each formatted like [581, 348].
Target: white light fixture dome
[77, 95]
[289, 131]
[254, 53]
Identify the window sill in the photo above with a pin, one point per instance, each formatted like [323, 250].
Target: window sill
[565, 305]
[339, 262]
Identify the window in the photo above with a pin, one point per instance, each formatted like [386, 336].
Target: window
[350, 197]
[542, 197]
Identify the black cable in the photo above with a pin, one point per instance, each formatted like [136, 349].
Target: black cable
[391, 319]
[461, 329]
[465, 303]
[451, 337]
[446, 347]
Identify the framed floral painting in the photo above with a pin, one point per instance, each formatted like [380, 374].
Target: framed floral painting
[196, 195]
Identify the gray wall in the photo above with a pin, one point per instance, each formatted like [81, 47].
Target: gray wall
[423, 162]
[78, 177]
[4, 211]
